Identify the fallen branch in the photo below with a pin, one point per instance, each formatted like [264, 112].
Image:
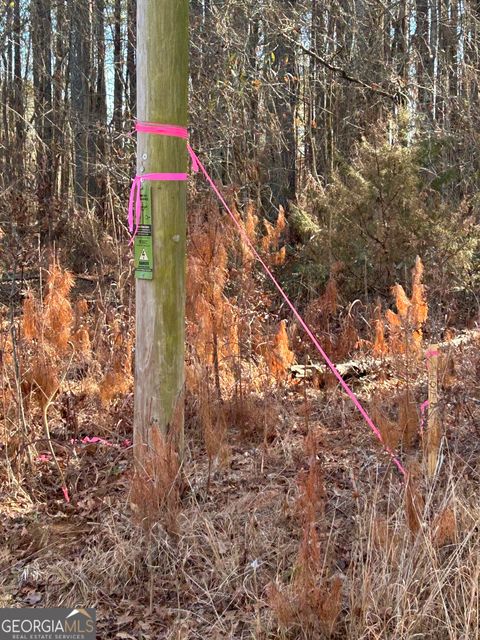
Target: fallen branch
[368, 364]
[398, 97]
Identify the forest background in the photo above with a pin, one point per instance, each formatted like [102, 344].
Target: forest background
[345, 136]
[360, 118]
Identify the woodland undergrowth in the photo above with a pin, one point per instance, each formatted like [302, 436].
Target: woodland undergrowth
[298, 553]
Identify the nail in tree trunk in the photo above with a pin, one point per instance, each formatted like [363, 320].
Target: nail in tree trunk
[162, 87]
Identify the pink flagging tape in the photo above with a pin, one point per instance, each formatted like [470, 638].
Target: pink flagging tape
[135, 202]
[162, 129]
[196, 166]
[135, 197]
[423, 408]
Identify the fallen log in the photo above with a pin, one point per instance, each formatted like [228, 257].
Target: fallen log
[367, 364]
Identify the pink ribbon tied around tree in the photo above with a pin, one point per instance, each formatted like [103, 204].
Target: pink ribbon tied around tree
[135, 201]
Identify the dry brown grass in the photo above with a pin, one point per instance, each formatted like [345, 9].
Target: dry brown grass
[155, 491]
[268, 554]
[422, 587]
[118, 377]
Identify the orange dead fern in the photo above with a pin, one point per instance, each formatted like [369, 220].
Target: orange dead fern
[406, 326]
[309, 602]
[30, 317]
[81, 336]
[118, 378]
[280, 357]
[58, 316]
[408, 420]
[380, 347]
[444, 528]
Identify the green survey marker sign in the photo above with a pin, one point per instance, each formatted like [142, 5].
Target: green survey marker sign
[143, 253]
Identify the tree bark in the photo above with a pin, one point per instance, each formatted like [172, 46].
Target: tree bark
[96, 138]
[60, 163]
[283, 173]
[18, 104]
[131, 80]
[117, 65]
[80, 90]
[42, 84]
[424, 66]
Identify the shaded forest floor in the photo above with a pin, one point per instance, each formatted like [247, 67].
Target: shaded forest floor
[398, 574]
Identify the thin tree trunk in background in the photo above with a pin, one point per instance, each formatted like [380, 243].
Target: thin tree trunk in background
[435, 61]
[6, 90]
[59, 108]
[252, 44]
[162, 77]
[18, 103]
[96, 175]
[80, 91]
[400, 46]
[313, 88]
[283, 173]
[117, 65]
[131, 77]
[423, 56]
[452, 48]
[42, 85]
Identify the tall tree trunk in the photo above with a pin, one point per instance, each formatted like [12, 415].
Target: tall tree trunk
[42, 84]
[424, 69]
[6, 80]
[80, 91]
[283, 173]
[59, 109]
[117, 65]
[400, 42]
[435, 57]
[98, 117]
[131, 77]
[18, 103]
[312, 95]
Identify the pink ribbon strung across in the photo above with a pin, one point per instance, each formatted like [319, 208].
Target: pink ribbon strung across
[197, 165]
[299, 318]
[135, 202]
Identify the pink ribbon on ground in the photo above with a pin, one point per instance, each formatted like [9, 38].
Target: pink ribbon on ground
[197, 165]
